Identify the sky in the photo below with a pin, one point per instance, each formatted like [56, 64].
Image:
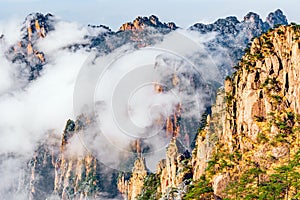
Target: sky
[114, 13]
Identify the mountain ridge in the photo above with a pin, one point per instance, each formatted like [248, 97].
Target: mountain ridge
[232, 35]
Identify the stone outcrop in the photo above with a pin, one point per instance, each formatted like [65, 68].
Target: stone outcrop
[133, 187]
[176, 167]
[275, 18]
[171, 173]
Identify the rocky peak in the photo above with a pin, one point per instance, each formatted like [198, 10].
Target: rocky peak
[276, 17]
[172, 172]
[68, 132]
[154, 20]
[37, 25]
[142, 22]
[252, 25]
[175, 171]
[55, 171]
[132, 187]
[25, 52]
[223, 26]
[252, 17]
[139, 166]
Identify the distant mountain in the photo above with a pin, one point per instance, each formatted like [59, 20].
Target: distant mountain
[251, 22]
[234, 35]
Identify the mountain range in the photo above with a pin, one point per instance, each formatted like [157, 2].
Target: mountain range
[249, 125]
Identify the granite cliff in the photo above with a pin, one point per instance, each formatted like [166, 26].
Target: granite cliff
[249, 147]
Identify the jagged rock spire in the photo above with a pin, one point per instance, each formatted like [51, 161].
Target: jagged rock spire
[142, 22]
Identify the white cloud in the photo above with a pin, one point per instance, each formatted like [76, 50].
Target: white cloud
[27, 114]
[11, 30]
[65, 34]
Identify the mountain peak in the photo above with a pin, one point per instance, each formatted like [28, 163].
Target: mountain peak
[142, 22]
[37, 25]
[38, 16]
[252, 17]
[276, 17]
[224, 26]
[252, 25]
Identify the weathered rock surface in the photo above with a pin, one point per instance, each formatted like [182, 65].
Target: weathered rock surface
[254, 125]
[133, 187]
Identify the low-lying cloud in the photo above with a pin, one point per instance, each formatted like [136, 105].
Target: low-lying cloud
[29, 112]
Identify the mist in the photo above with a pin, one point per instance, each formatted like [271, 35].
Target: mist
[29, 111]
[119, 89]
[122, 85]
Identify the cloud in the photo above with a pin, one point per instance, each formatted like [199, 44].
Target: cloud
[28, 113]
[124, 83]
[6, 74]
[11, 172]
[44, 105]
[11, 30]
[65, 33]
